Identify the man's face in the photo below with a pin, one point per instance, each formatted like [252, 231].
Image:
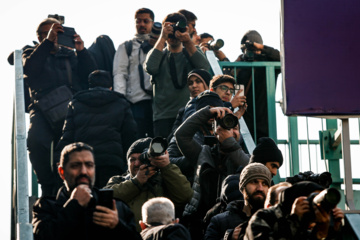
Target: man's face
[79, 170]
[255, 193]
[225, 91]
[273, 167]
[143, 23]
[134, 164]
[236, 133]
[192, 29]
[195, 85]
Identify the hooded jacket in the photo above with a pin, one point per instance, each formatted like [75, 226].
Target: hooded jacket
[102, 119]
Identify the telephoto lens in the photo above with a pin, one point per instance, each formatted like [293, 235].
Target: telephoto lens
[216, 45]
[328, 199]
[155, 30]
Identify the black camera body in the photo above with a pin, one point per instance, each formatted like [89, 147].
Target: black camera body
[179, 26]
[228, 122]
[324, 179]
[157, 147]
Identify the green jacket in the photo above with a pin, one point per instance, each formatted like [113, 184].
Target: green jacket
[168, 182]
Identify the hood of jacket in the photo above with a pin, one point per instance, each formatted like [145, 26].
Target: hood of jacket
[98, 96]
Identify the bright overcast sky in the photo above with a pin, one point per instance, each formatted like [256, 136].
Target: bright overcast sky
[228, 20]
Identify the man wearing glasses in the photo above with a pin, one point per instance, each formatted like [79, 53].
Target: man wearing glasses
[129, 77]
[224, 86]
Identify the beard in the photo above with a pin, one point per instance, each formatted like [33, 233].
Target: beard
[256, 202]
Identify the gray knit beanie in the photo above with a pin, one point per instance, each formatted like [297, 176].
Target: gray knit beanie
[254, 171]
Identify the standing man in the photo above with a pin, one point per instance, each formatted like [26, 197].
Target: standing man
[254, 184]
[102, 118]
[50, 67]
[129, 77]
[169, 68]
[75, 213]
[254, 50]
[191, 22]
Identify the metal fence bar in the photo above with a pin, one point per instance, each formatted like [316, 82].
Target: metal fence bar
[23, 227]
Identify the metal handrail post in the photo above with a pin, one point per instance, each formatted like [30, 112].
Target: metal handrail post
[24, 228]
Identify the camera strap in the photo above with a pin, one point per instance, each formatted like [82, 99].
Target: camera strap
[141, 74]
[173, 72]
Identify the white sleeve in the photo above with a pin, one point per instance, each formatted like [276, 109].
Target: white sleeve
[120, 69]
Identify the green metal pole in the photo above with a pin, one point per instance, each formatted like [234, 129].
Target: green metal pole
[270, 86]
[293, 146]
[334, 166]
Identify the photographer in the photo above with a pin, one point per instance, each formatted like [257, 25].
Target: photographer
[53, 73]
[160, 178]
[254, 50]
[297, 216]
[129, 77]
[213, 163]
[169, 68]
[207, 42]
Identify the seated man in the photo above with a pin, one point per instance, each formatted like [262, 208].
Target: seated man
[213, 162]
[295, 217]
[75, 213]
[254, 184]
[158, 221]
[144, 182]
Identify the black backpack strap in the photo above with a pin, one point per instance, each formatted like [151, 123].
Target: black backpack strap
[128, 47]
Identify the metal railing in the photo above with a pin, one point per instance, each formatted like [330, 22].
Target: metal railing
[20, 192]
[292, 144]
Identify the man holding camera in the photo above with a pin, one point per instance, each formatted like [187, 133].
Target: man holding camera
[297, 216]
[254, 184]
[254, 50]
[220, 156]
[129, 77]
[145, 181]
[50, 67]
[75, 213]
[169, 68]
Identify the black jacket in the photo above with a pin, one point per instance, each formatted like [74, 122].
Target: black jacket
[45, 71]
[163, 232]
[62, 218]
[226, 221]
[102, 119]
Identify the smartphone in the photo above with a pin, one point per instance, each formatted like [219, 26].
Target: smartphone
[66, 38]
[106, 198]
[242, 87]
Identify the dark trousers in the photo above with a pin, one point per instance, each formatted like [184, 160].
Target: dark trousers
[143, 115]
[40, 136]
[163, 127]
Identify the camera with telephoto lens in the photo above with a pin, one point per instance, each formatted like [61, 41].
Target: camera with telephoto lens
[324, 179]
[179, 26]
[228, 122]
[157, 147]
[216, 45]
[327, 199]
[249, 52]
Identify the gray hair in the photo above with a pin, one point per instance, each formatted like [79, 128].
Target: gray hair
[157, 211]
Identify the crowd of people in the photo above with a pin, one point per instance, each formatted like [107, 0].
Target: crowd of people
[144, 142]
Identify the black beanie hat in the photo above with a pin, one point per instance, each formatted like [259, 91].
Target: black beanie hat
[208, 98]
[230, 189]
[266, 151]
[138, 146]
[204, 75]
[252, 36]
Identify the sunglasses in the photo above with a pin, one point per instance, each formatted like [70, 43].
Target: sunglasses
[225, 89]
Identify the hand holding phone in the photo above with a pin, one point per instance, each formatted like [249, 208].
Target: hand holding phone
[106, 198]
[66, 38]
